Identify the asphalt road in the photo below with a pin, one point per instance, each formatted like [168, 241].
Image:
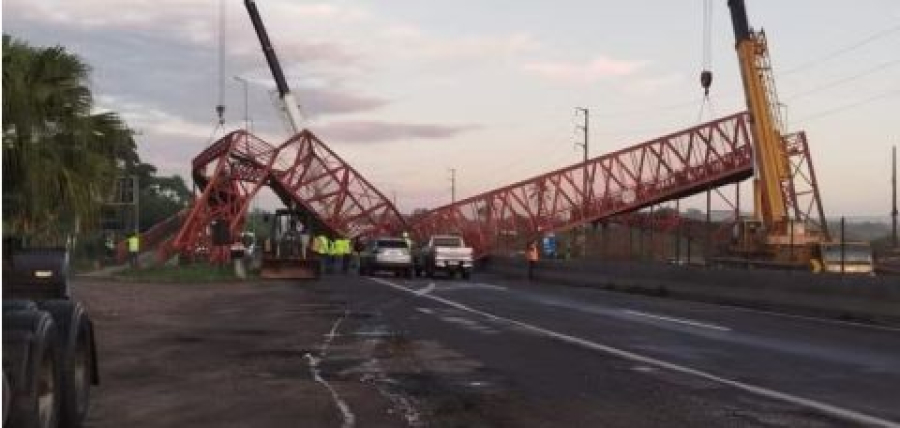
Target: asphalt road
[349, 351]
[488, 352]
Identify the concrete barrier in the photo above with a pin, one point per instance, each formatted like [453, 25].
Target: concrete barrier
[861, 298]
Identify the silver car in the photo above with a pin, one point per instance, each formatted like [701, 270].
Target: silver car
[386, 254]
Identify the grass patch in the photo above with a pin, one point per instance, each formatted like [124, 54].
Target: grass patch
[197, 272]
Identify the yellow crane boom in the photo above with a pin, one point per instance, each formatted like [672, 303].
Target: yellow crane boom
[762, 102]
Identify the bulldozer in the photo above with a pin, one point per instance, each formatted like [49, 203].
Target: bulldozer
[285, 254]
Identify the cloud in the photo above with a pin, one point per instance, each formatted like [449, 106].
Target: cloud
[325, 101]
[147, 119]
[192, 19]
[194, 22]
[589, 72]
[372, 131]
[651, 85]
[412, 42]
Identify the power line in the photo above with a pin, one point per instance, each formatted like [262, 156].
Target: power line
[860, 103]
[841, 81]
[841, 51]
[806, 64]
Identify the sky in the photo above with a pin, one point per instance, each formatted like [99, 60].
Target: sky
[404, 90]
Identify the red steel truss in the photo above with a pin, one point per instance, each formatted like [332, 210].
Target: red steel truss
[670, 167]
[801, 190]
[308, 175]
[303, 172]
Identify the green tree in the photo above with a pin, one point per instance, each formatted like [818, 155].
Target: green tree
[60, 157]
[161, 198]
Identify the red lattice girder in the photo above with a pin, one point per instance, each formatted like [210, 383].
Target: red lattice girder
[673, 166]
[230, 172]
[303, 172]
[801, 190]
[314, 175]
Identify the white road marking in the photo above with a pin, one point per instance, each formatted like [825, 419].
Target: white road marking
[427, 289]
[822, 320]
[373, 334]
[470, 324]
[452, 286]
[677, 320]
[840, 412]
[346, 413]
[758, 311]
[425, 311]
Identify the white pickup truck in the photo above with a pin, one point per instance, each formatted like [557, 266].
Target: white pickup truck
[447, 253]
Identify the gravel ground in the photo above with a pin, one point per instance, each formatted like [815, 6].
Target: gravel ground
[223, 355]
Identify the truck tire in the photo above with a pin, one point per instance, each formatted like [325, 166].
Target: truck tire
[5, 398]
[74, 339]
[29, 338]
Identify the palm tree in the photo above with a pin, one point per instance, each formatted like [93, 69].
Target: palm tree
[59, 158]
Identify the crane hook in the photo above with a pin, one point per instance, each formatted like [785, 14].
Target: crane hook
[220, 110]
[706, 78]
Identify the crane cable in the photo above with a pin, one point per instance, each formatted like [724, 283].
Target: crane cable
[220, 107]
[706, 76]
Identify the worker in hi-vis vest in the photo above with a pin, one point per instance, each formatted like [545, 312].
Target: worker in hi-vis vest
[320, 247]
[332, 251]
[134, 247]
[342, 252]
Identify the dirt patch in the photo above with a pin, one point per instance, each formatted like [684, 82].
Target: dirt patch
[215, 355]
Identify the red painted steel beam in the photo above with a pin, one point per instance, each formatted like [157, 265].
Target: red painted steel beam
[669, 167]
[303, 172]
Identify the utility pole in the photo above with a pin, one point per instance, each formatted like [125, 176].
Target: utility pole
[246, 102]
[894, 187]
[585, 202]
[585, 146]
[137, 204]
[453, 185]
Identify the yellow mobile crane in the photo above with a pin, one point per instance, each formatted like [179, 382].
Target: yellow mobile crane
[772, 237]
